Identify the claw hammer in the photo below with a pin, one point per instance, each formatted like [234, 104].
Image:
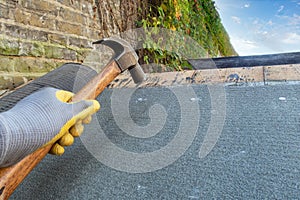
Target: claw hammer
[124, 58]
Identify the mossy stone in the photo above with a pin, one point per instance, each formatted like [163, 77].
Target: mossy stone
[11, 48]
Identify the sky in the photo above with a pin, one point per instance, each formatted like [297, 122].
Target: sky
[258, 27]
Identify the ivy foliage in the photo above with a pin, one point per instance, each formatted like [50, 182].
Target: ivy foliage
[197, 19]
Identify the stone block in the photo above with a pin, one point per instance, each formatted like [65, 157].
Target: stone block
[54, 52]
[67, 27]
[9, 47]
[23, 65]
[72, 16]
[14, 80]
[70, 3]
[11, 81]
[22, 16]
[18, 81]
[92, 33]
[6, 82]
[24, 33]
[14, 31]
[41, 6]
[81, 43]
[282, 73]
[44, 65]
[4, 11]
[34, 49]
[34, 65]
[7, 64]
[50, 65]
[58, 39]
[60, 53]
[69, 54]
[82, 54]
[37, 35]
[42, 20]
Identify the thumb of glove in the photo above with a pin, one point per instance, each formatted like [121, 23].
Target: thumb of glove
[78, 111]
[74, 112]
[78, 108]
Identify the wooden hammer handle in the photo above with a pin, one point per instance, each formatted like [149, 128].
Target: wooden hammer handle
[12, 176]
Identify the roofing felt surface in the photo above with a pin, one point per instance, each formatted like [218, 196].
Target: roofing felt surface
[257, 154]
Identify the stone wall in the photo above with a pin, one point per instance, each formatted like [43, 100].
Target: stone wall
[39, 35]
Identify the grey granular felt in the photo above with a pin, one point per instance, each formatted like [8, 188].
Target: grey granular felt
[257, 155]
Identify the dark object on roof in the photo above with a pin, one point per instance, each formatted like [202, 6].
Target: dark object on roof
[246, 61]
[234, 78]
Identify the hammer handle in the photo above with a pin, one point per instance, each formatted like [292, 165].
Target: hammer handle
[11, 177]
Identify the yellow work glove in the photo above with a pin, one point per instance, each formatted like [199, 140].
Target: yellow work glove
[42, 118]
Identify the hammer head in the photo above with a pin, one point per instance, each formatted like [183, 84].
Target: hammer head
[125, 57]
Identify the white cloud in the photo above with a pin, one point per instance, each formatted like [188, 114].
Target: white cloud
[247, 5]
[236, 19]
[255, 22]
[280, 8]
[270, 22]
[250, 44]
[244, 46]
[270, 40]
[291, 38]
[294, 20]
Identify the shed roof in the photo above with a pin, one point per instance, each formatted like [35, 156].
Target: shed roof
[255, 156]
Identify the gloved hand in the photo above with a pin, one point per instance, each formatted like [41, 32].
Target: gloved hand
[40, 119]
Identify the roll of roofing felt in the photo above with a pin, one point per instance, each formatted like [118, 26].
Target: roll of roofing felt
[71, 77]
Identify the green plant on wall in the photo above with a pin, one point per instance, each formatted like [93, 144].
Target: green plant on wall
[198, 19]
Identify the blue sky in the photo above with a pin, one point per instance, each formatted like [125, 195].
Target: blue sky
[261, 26]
